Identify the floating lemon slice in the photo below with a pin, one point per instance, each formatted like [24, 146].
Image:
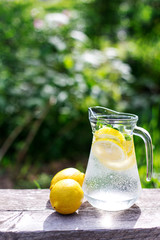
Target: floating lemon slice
[109, 133]
[112, 154]
[129, 146]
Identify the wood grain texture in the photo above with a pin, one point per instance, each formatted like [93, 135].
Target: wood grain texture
[27, 214]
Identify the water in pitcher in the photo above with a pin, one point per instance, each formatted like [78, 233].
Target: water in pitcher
[111, 180]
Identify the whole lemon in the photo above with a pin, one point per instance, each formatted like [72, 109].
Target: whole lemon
[66, 196]
[68, 173]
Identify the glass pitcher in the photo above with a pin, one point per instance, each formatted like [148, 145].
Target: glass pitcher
[112, 180]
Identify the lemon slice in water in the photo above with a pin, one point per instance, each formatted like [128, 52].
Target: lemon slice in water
[109, 133]
[129, 146]
[112, 154]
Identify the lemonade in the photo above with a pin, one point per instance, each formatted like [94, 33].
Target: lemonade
[112, 181]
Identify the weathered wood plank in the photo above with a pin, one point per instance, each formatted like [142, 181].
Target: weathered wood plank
[27, 214]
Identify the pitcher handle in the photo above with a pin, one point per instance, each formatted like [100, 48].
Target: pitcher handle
[141, 132]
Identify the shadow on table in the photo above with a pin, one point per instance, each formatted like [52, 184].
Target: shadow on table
[88, 218]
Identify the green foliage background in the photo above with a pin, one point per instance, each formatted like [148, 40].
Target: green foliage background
[57, 58]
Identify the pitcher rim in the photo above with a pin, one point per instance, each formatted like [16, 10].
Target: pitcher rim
[125, 117]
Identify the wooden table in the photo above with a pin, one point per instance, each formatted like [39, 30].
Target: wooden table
[27, 214]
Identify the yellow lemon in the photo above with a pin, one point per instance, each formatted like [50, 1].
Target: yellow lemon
[112, 154]
[129, 146]
[66, 196]
[109, 133]
[68, 173]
